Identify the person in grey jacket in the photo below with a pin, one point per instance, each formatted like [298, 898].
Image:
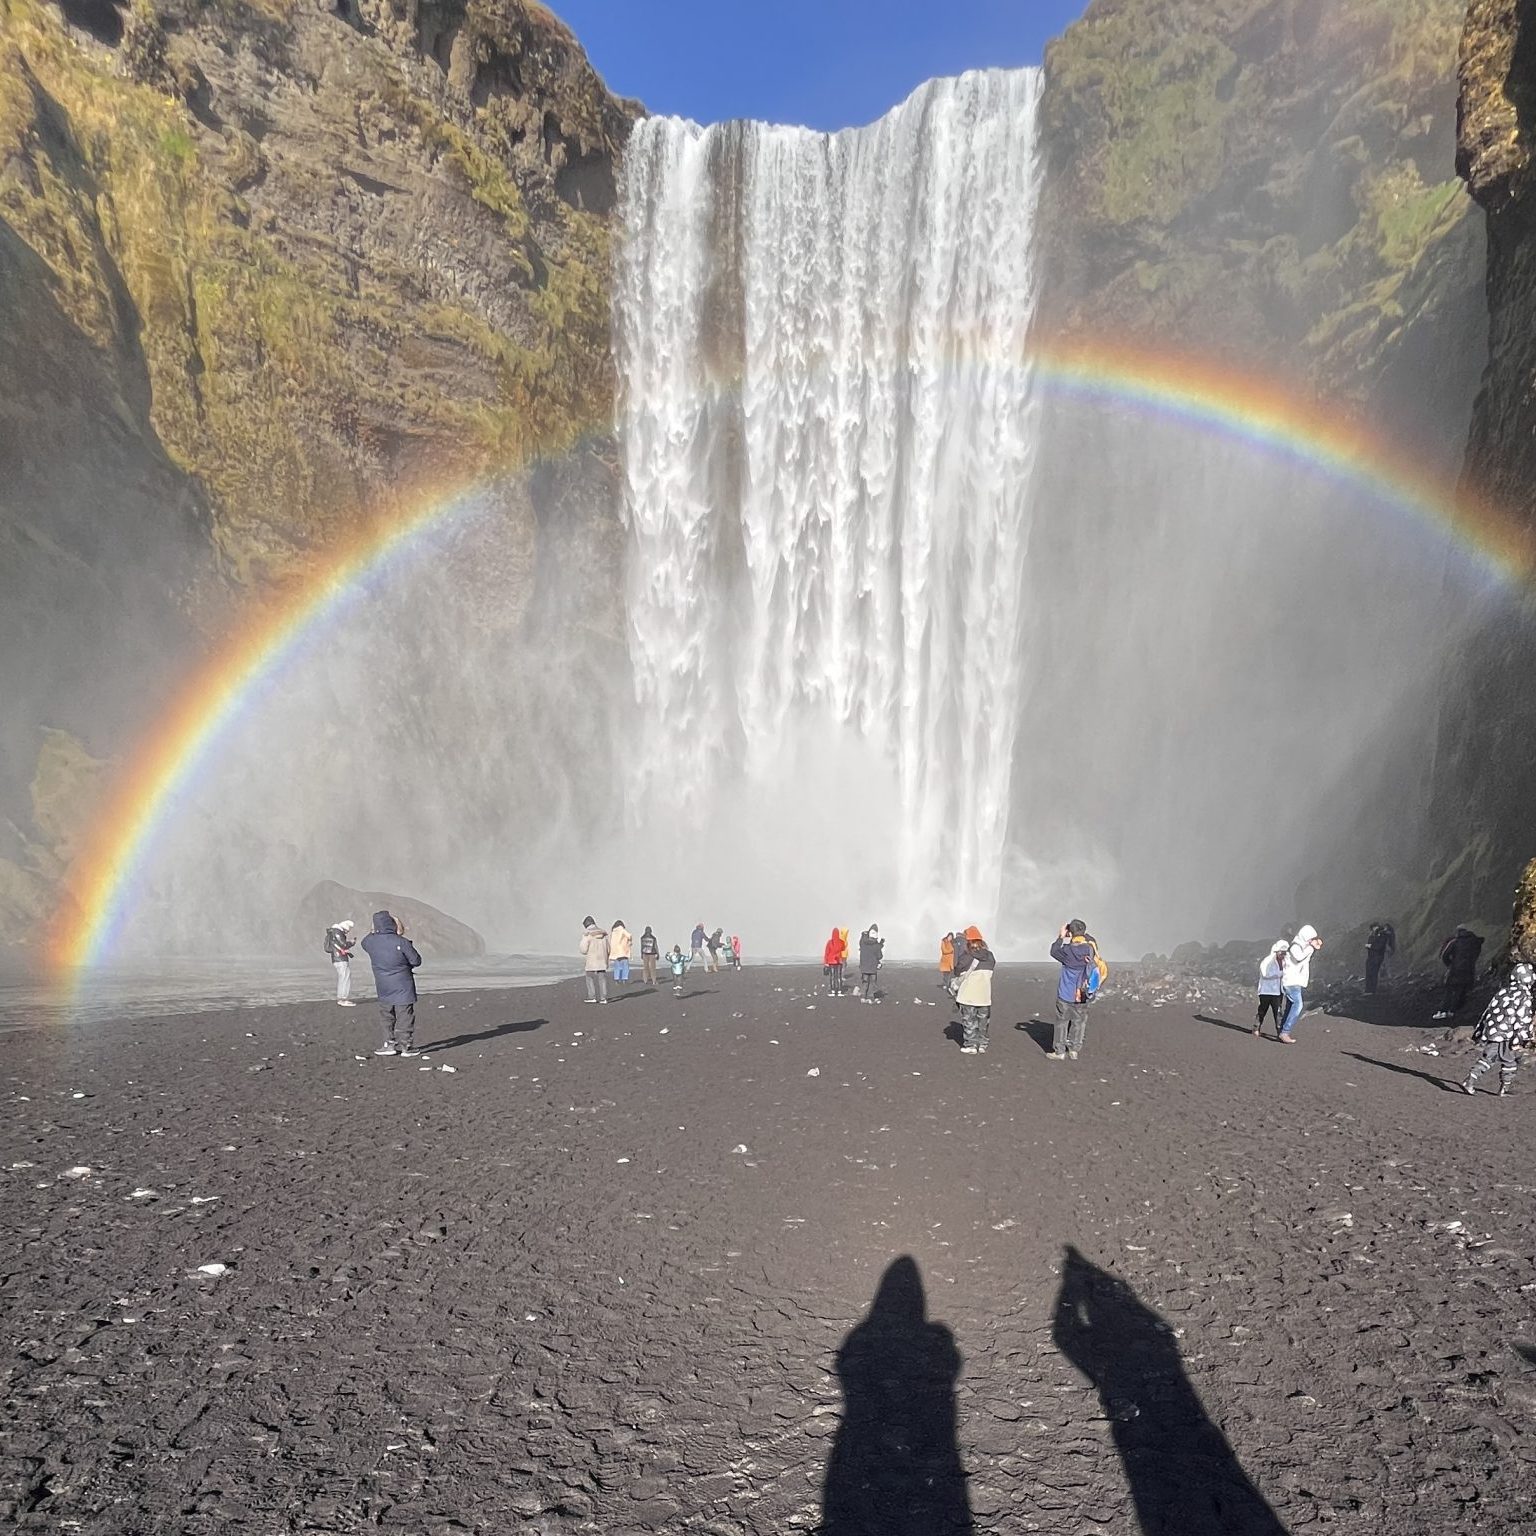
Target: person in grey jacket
[394, 961]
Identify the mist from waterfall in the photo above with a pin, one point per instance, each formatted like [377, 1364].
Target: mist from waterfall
[829, 429]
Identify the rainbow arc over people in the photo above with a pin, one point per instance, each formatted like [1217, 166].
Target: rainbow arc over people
[159, 775]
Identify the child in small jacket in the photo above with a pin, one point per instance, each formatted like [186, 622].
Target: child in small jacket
[1504, 1030]
[1271, 993]
[679, 963]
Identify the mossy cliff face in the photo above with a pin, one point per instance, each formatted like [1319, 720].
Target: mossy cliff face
[270, 271]
[1271, 181]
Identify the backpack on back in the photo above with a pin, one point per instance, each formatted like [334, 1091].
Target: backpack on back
[1096, 975]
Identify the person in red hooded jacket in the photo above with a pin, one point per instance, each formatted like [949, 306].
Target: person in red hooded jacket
[833, 958]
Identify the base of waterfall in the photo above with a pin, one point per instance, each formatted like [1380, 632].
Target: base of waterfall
[638, 1268]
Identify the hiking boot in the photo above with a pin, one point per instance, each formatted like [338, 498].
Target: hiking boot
[387, 1049]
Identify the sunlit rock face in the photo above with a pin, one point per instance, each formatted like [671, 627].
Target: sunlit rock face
[272, 275]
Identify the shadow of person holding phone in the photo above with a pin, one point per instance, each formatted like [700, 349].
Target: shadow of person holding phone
[1184, 1478]
[895, 1465]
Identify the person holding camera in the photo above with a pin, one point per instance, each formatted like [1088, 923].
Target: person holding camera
[1073, 951]
[394, 960]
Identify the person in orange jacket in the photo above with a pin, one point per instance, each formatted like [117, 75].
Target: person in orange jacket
[946, 959]
[833, 958]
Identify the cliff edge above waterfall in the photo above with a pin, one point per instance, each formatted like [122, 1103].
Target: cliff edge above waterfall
[270, 271]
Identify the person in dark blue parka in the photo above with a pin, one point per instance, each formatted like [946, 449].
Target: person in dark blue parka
[394, 960]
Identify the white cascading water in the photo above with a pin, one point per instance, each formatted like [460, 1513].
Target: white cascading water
[829, 427]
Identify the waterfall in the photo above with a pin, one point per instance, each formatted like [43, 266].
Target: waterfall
[829, 427]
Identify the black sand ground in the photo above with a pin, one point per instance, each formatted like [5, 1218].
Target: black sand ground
[635, 1269]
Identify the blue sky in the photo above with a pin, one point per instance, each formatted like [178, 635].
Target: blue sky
[823, 63]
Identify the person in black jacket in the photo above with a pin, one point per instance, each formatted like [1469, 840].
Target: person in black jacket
[1380, 944]
[650, 950]
[1459, 957]
[394, 960]
[871, 953]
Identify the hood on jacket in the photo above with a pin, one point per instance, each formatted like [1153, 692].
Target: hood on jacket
[973, 935]
[344, 926]
[590, 927]
[1305, 934]
[648, 931]
[1280, 946]
[384, 923]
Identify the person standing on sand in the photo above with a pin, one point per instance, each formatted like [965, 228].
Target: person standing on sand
[1073, 952]
[678, 963]
[620, 943]
[594, 947]
[697, 943]
[735, 951]
[871, 953]
[1504, 1030]
[394, 959]
[832, 959]
[338, 945]
[974, 994]
[649, 950]
[1459, 957]
[714, 944]
[946, 960]
[1271, 992]
[1295, 976]
[1380, 944]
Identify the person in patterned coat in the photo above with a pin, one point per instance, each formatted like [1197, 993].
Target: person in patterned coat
[1504, 1029]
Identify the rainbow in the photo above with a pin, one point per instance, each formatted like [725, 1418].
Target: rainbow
[157, 777]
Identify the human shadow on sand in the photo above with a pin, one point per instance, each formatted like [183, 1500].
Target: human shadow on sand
[1392, 1066]
[895, 1464]
[1041, 1031]
[627, 994]
[1183, 1475]
[1210, 1018]
[521, 1027]
[683, 997]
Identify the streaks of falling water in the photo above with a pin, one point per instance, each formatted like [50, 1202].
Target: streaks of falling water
[828, 428]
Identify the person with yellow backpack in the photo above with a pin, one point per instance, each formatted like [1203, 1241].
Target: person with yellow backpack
[1083, 972]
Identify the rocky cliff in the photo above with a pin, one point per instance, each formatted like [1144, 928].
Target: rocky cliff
[1483, 815]
[269, 270]
[1272, 182]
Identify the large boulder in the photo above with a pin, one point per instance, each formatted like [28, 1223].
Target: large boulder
[434, 933]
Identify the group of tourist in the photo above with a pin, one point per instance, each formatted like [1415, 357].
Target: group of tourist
[966, 967]
[834, 962]
[605, 948]
[394, 959]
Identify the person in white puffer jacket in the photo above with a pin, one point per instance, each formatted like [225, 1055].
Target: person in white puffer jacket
[1295, 973]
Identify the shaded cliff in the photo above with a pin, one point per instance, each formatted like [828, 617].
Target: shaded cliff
[1272, 182]
[1483, 815]
[272, 272]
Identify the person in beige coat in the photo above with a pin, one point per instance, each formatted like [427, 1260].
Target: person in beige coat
[594, 948]
[620, 945]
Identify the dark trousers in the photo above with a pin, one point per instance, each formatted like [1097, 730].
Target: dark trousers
[1373, 961]
[1071, 1026]
[1270, 1003]
[868, 979]
[399, 1017]
[835, 978]
[1500, 1054]
[1456, 990]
